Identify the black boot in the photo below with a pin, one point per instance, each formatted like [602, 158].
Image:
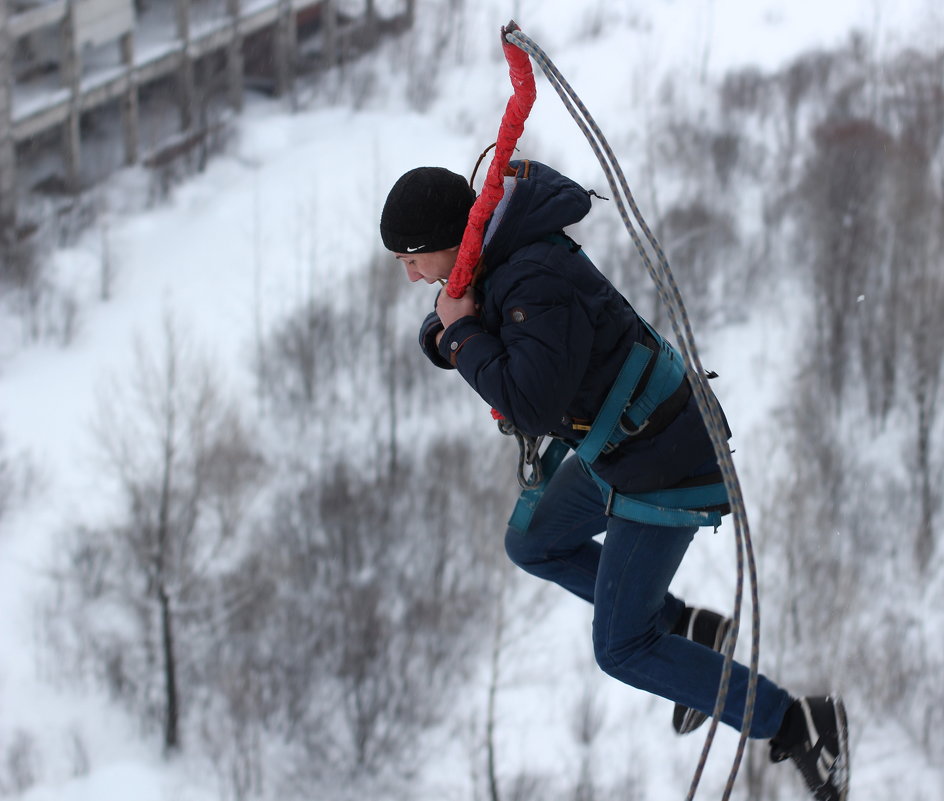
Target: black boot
[705, 628]
[815, 735]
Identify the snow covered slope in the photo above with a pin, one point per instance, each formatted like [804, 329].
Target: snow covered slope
[294, 207]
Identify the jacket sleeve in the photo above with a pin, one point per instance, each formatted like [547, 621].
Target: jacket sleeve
[531, 368]
[431, 326]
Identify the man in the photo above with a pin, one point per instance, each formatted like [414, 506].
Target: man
[547, 341]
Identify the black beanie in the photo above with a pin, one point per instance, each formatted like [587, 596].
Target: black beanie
[426, 210]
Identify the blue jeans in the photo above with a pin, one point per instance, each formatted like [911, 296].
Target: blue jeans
[626, 578]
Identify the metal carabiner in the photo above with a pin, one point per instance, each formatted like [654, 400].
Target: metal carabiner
[528, 455]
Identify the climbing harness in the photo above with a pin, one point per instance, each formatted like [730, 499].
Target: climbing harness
[517, 47]
[651, 378]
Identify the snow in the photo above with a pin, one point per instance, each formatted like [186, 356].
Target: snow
[119, 781]
[293, 208]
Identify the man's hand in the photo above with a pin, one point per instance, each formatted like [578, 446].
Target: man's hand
[450, 309]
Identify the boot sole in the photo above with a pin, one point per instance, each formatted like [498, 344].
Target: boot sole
[842, 767]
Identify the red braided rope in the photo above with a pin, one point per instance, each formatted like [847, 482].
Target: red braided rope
[511, 128]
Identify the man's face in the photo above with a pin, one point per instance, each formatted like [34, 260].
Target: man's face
[430, 267]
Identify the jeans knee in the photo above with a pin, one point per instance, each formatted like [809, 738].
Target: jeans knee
[621, 659]
[520, 549]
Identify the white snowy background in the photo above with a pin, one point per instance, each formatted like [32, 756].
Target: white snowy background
[291, 209]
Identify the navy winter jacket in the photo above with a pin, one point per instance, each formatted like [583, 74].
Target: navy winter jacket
[553, 333]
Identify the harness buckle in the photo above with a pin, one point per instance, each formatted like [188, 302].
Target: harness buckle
[632, 432]
[609, 502]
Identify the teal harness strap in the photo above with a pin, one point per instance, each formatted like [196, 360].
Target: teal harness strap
[667, 375]
[604, 428]
[671, 507]
[528, 500]
[683, 506]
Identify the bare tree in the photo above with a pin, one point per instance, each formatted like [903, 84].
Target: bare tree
[926, 334]
[588, 719]
[700, 244]
[185, 468]
[843, 230]
[917, 108]
[298, 359]
[20, 763]
[6, 478]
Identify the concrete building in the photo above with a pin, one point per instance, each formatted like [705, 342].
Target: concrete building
[64, 61]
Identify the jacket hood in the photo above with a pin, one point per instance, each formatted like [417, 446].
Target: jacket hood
[543, 202]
